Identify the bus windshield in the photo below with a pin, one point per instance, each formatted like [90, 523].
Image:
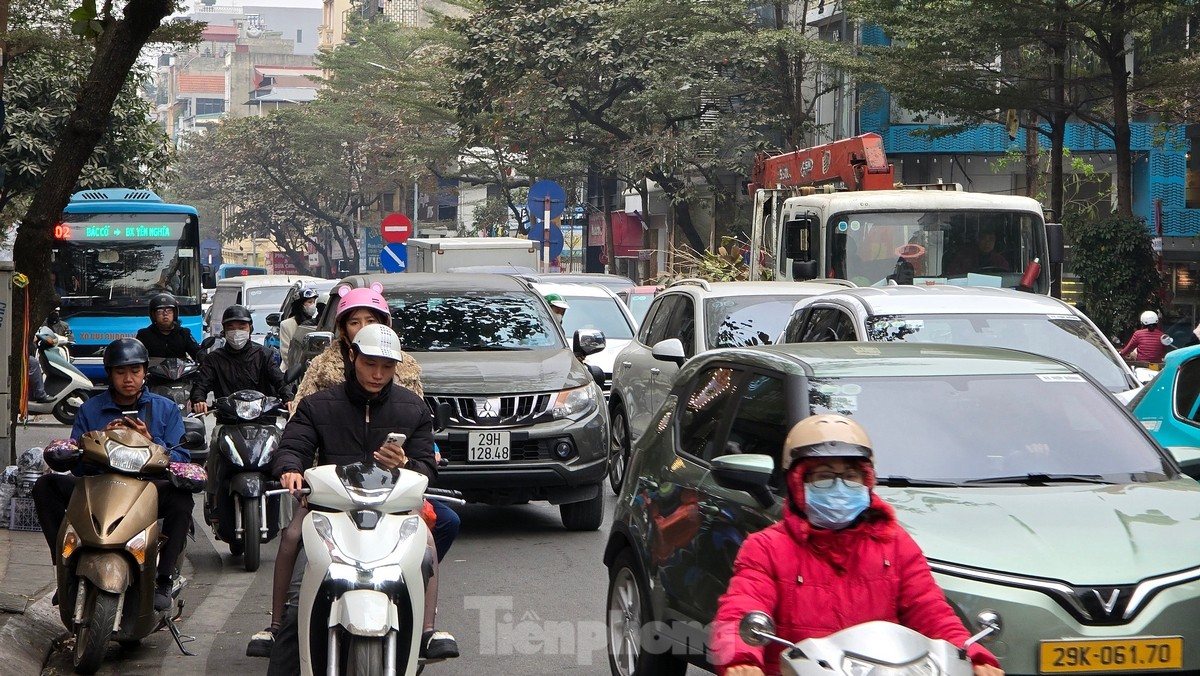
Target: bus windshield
[112, 263]
[963, 248]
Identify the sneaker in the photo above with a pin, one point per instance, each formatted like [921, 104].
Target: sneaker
[261, 643]
[438, 645]
[162, 595]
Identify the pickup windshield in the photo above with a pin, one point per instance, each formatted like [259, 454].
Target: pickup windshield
[468, 321]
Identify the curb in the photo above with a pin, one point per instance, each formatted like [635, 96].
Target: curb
[26, 639]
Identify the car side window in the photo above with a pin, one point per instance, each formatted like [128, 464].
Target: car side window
[760, 423]
[827, 324]
[794, 331]
[703, 408]
[1187, 392]
[683, 326]
[643, 334]
[660, 324]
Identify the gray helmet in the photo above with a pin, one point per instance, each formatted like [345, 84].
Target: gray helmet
[163, 300]
[236, 313]
[125, 352]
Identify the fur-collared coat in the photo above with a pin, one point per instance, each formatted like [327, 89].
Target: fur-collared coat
[329, 368]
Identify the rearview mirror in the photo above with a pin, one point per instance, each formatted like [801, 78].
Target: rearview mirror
[588, 341]
[802, 270]
[670, 349]
[273, 319]
[749, 472]
[1054, 241]
[316, 342]
[192, 440]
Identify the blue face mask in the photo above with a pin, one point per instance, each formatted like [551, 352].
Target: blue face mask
[837, 506]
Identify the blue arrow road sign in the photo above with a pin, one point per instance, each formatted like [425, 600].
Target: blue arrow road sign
[556, 239]
[394, 257]
[537, 199]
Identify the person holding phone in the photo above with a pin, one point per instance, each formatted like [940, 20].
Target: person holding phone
[127, 403]
[396, 431]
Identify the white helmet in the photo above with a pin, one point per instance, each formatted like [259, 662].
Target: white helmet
[1149, 317]
[378, 340]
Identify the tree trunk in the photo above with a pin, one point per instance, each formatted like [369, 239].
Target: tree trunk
[1122, 139]
[117, 51]
[672, 187]
[607, 184]
[1032, 166]
[1058, 117]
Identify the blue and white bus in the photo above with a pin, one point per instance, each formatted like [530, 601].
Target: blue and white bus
[113, 250]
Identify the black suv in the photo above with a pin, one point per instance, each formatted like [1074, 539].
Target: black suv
[527, 420]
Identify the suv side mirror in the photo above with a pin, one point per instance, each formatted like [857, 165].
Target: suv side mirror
[670, 349]
[273, 319]
[749, 472]
[587, 341]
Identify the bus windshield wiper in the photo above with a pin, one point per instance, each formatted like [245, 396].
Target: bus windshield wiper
[1038, 479]
[895, 481]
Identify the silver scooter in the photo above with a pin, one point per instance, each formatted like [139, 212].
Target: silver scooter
[66, 385]
[865, 649]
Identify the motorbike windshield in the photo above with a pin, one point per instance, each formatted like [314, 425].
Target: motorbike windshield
[368, 481]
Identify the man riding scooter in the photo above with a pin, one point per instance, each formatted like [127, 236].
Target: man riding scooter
[239, 365]
[127, 403]
[165, 338]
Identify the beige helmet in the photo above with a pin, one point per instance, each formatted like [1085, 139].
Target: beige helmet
[826, 436]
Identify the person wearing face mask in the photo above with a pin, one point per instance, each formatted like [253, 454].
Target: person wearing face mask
[837, 559]
[58, 325]
[239, 365]
[304, 313]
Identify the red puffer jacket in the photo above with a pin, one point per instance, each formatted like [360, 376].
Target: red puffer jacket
[815, 582]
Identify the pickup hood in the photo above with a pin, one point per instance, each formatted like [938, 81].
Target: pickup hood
[501, 372]
[1080, 534]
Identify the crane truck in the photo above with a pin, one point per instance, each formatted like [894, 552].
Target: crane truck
[835, 211]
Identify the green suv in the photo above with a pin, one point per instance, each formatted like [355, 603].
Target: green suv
[1040, 503]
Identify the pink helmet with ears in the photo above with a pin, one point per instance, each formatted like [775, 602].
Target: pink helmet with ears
[368, 297]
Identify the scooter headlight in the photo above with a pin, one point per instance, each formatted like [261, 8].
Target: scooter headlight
[70, 542]
[248, 410]
[856, 666]
[127, 458]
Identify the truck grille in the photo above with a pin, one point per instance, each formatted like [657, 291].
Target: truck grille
[494, 411]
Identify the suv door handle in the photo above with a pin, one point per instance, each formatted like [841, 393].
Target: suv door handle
[626, 364]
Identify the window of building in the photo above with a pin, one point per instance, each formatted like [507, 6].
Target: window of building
[210, 106]
[387, 202]
[299, 36]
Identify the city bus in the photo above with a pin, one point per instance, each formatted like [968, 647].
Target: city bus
[115, 249]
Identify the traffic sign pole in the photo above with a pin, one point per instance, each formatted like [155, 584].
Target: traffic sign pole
[546, 237]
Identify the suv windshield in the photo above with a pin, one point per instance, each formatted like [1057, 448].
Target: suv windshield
[979, 427]
[439, 322]
[1064, 337]
[741, 321]
[597, 313]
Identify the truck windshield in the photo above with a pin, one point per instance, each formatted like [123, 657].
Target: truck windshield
[962, 248]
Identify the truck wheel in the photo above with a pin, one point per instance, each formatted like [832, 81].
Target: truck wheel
[586, 515]
[91, 643]
[251, 538]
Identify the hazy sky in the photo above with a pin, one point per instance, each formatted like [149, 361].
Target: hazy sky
[302, 4]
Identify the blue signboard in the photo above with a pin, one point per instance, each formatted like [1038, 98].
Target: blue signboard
[373, 243]
[538, 192]
[394, 257]
[556, 238]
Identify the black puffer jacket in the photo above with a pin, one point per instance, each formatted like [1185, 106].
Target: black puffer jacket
[344, 425]
[179, 343]
[224, 372]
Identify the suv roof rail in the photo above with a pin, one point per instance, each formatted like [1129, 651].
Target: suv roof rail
[835, 281]
[702, 283]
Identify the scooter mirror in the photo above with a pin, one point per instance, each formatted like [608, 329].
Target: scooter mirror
[441, 416]
[192, 440]
[756, 628]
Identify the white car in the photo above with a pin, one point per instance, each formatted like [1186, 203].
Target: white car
[986, 317]
[595, 306]
[685, 319]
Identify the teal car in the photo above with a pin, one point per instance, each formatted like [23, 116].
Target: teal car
[1039, 500]
[1169, 407]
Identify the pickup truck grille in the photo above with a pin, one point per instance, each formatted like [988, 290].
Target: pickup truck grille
[508, 411]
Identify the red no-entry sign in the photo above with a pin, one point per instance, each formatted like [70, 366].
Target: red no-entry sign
[395, 228]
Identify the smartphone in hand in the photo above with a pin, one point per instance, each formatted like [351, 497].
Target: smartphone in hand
[397, 438]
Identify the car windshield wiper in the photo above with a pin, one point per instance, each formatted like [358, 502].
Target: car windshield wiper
[493, 348]
[906, 482]
[1037, 479]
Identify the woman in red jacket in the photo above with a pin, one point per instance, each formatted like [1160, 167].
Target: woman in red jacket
[838, 558]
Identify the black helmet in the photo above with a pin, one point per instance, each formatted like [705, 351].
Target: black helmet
[163, 300]
[125, 352]
[236, 313]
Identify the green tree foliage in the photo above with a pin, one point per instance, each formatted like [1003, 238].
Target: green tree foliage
[1116, 268]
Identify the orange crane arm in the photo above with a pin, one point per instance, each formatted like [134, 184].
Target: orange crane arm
[858, 162]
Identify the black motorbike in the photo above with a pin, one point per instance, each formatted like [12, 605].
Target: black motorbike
[172, 378]
[249, 426]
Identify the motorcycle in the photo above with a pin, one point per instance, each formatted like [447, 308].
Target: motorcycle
[363, 593]
[249, 426]
[109, 548]
[864, 649]
[172, 378]
[66, 385]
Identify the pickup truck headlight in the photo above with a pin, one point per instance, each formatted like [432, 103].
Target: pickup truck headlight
[574, 404]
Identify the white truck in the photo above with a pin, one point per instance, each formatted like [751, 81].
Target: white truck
[472, 254]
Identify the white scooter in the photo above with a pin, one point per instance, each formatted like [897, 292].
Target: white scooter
[867, 648]
[363, 596]
[66, 385]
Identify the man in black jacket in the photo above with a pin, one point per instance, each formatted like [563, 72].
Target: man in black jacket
[165, 338]
[346, 424]
[239, 365]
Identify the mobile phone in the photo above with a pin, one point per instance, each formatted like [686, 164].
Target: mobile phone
[396, 438]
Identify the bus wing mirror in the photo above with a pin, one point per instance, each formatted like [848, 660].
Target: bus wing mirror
[1054, 240]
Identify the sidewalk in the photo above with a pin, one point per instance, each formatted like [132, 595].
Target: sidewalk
[29, 625]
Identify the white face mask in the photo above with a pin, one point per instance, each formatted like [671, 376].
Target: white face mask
[237, 339]
[310, 310]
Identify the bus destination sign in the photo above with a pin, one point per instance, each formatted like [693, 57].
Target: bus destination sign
[117, 231]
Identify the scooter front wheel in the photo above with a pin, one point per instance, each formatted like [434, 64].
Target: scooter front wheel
[91, 642]
[64, 412]
[365, 656]
[251, 537]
